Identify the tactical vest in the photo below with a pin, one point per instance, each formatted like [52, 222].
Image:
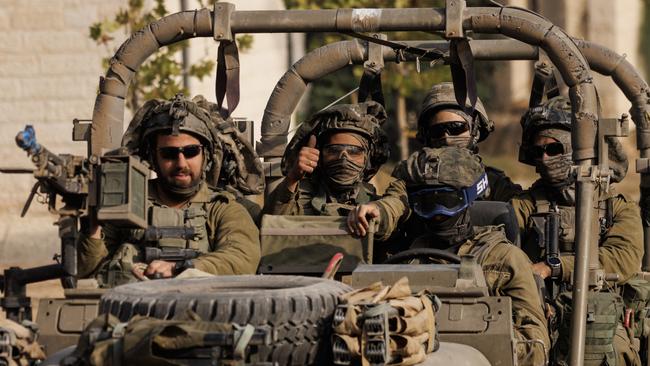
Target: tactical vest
[567, 223]
[194, 216]
[119, 270]
[320, 204]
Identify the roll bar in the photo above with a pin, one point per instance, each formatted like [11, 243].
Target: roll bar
[522, 25]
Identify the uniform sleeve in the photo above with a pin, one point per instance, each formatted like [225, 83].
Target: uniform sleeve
[509, 273]
[622, 247]
[524, 207]
[235, 241]
[502, 188]
[90, 253]
[393, 207]
[282, 201]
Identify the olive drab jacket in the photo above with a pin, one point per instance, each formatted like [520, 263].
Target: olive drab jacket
[227, 239]
[508, 272]
[312, 199]
[502, 188]
[620, 243]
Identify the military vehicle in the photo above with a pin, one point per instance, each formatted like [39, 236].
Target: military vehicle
[291, 314]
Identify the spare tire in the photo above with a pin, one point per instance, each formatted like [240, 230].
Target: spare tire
[297, 309]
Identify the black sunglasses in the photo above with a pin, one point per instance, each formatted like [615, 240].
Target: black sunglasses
[552, 149]
[451, 128]
[188, 151]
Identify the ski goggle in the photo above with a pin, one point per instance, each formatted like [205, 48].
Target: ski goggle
[171, 152]
[446, 201]
[552, 149]
[451, 128]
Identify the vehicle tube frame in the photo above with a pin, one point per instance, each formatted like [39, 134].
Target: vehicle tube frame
[519, 24]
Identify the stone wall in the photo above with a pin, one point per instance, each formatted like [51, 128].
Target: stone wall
[49, 72]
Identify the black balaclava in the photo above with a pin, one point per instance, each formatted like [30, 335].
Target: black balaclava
[451, 231]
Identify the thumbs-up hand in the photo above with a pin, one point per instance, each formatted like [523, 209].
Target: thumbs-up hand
[306, 163]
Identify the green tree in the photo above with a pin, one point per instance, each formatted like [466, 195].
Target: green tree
[161, 75]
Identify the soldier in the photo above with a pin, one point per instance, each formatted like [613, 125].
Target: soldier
[442, 183]
[442, 122]
[546, 144]
[180, 142]
[341, 148]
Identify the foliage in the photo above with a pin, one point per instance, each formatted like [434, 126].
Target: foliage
[161, 75]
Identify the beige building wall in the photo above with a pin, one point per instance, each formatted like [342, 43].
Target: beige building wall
[614, 24]
[49, 72]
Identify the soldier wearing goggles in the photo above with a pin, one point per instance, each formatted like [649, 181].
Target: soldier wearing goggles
[442, 184]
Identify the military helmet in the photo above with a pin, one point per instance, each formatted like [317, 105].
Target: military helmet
[441, 96]
[230, 160]
[442, 181]
[555, 114]
[364, 119]
[175, 116]
[450, 166]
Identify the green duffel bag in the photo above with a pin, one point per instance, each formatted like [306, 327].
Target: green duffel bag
[306, 244]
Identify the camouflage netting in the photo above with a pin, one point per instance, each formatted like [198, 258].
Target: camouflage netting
[364, 119]
[447, 166]
[231, 159]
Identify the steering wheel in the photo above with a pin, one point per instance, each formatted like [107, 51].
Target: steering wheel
[416, 253]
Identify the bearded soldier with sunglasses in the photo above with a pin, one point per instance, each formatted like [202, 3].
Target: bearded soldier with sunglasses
[546, 144]
[329, 162]
[180, 140]
[442, 122]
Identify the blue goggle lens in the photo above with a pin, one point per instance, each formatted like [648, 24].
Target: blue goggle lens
[430, 202]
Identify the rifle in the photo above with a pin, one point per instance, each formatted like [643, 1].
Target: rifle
[182, 257]
[547, 231]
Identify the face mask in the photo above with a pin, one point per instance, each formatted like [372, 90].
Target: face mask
[343, 174]
[555, 170]
[451, 231]
[459, 141]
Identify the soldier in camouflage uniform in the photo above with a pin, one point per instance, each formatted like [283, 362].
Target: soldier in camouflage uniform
[180, 141]
[329, 162]
[442, 183]
[546, 144]
[442, 122]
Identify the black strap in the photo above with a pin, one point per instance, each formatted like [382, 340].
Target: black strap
[431, 55]
[370, 86]
[461, 62]
[543, 83]
[227, 81]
